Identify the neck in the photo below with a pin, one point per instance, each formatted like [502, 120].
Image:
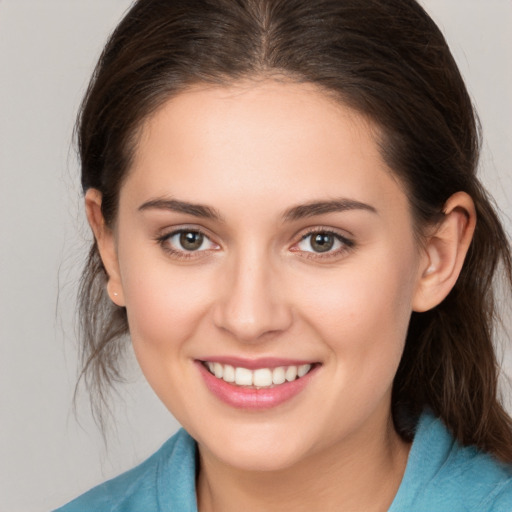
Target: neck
[357, 474]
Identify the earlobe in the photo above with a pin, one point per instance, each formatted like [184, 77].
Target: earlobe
[106, 245]
[445, 251]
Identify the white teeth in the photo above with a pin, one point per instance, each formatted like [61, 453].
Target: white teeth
[278, 375]
[229, 373]
[218, 370]
[291, 373]
[303, 369]
[243, 377]
[260, 378]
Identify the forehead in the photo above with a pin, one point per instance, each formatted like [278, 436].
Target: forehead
[276, 142]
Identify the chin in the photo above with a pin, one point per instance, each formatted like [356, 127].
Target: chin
[259, 459]
[263, 451]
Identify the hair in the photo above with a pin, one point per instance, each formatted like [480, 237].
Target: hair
[388, 61]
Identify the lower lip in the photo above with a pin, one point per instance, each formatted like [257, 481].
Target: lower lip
[253, 398]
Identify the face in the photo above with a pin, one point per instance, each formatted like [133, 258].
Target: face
[261, 237]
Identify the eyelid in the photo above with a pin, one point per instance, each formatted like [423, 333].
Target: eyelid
[348, 244]
[165, 235]
[343, 235]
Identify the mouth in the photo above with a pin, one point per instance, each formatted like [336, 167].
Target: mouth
[266, 384]
[260, 378]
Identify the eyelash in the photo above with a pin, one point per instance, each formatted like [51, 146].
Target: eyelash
[346, 244]
[163, 241]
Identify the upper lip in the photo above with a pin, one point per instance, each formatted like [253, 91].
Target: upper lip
[254, 364]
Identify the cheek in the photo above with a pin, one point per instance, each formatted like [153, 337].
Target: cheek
[362, 310]
[165, 305]
[164, 302]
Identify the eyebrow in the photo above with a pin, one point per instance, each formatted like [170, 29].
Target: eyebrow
[197, 210]
[292, 214]
[321, 207]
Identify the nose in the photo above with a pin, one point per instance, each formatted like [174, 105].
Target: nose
[251, 306]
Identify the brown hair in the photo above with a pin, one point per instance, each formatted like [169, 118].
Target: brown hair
[389, 61]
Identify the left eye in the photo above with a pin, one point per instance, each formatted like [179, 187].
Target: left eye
[189, 241]
[321, 242]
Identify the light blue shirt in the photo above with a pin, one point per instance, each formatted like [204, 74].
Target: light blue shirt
[441, 476]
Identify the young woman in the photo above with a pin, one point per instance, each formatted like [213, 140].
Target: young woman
[289, 226]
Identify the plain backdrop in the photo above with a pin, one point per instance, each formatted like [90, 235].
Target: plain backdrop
[47, 52]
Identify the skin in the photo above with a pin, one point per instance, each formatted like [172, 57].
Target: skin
[257, 288]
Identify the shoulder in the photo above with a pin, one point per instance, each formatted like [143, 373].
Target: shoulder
[165, 481]
[442, 475]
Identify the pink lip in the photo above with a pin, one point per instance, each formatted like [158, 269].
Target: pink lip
[252, 398]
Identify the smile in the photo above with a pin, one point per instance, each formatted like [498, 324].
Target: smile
[266, 384]
[259, 378]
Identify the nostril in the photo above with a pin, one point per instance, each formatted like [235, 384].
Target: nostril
[252, 324]
[250, 305]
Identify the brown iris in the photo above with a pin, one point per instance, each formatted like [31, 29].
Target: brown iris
[191, 240]
[322, 242]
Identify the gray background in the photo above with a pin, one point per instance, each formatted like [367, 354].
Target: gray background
[47, 51]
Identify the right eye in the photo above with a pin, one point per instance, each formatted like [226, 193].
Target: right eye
[184, 242]
[320, 242]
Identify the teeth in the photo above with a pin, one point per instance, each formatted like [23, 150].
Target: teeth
[290, 373]
[260, 378]
[243, 377]
[279, 375]
[303, 369]
[218, 370]
[229, 373]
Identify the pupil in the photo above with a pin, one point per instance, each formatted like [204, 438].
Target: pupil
[322, 242]
[191, 241]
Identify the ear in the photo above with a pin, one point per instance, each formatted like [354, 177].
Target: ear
[445, 251]
[105, 240]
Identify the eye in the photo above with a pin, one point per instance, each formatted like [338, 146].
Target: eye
[189, 240]
[324, 242]
[186, 241]
[318, 242]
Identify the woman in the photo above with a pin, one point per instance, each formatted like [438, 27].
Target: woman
[288, 224]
